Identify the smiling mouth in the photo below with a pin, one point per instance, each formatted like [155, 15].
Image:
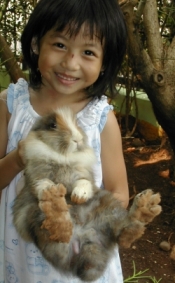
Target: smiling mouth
[67, 78]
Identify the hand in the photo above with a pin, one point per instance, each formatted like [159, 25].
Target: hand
[11, 164]
[20, 154]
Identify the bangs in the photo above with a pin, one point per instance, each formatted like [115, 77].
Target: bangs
[73, 28]
[71, 17]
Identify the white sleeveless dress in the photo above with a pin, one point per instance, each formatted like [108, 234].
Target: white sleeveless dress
[22, 262]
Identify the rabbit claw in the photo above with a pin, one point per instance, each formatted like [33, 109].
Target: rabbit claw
[82, 191]
[41, 186]
[145, 206]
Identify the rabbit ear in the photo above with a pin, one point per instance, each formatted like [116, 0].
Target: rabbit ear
[72, 138]
[66, 120]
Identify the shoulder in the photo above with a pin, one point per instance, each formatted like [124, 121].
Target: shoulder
[104, 110]
[4, 118]
[95, 113]
[4, 113]
[111, 139]
[111, 126]
[100, 103]
[16, 92]
[3, 96]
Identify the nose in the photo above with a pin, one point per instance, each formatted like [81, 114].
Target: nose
[70, 62]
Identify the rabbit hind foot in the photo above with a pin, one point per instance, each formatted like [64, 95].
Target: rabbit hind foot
[57, 218]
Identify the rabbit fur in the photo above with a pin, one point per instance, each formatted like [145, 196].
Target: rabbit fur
[76, 225]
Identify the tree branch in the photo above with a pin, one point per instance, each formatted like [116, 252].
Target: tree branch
[154, 40]
[141, 62]
[139, 11]
[7, 58]
[170, 58]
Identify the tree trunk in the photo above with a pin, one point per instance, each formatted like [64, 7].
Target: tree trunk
[155, 67]
[8, 59]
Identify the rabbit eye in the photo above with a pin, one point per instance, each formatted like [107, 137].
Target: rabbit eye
[53, 125]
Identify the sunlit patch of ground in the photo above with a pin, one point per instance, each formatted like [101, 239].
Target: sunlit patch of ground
[154, 157]
[148, 167]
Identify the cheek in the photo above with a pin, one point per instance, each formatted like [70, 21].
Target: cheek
[94, 72]
[42, 64]
[45, 61]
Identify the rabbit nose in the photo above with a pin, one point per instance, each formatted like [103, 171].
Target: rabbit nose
[79, 143]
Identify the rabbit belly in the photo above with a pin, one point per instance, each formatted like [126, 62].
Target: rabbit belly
[98, 226]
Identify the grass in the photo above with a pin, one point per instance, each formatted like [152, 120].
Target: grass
[140, 275]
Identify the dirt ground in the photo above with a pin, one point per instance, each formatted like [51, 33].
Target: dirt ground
[148, 167]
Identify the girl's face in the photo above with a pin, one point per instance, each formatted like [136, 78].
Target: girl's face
[69, 65]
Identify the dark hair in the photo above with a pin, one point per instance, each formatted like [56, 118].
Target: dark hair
[102, 17]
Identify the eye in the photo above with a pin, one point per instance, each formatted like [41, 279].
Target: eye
[52, 125]
[89, 53]
[60, 45]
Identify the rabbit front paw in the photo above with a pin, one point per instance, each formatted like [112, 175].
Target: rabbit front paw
[41, 186]
[82, 192]
[145, 206]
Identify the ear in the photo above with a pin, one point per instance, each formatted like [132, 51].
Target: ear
[102, 71]
[34, 46]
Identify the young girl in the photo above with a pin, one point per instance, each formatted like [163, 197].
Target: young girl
[74, 49]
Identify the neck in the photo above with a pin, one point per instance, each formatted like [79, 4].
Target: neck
[45, 102]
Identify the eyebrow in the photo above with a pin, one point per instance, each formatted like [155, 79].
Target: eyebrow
[93, 43]
[57, 34]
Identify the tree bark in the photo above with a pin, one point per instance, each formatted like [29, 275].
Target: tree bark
[155, 66]
[8, 59]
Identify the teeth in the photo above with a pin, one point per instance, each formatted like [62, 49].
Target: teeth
[66, 78]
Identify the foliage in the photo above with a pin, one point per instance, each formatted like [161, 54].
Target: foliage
[140, 275]
[13, 17]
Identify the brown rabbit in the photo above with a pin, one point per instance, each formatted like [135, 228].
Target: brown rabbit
[77, 239]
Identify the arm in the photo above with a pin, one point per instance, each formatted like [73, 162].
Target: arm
[113, 165]
[10, 164]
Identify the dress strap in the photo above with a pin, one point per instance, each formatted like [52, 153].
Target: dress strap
[16, 91]
[94, 115]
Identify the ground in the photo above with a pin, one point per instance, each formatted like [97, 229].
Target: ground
[148, 167]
